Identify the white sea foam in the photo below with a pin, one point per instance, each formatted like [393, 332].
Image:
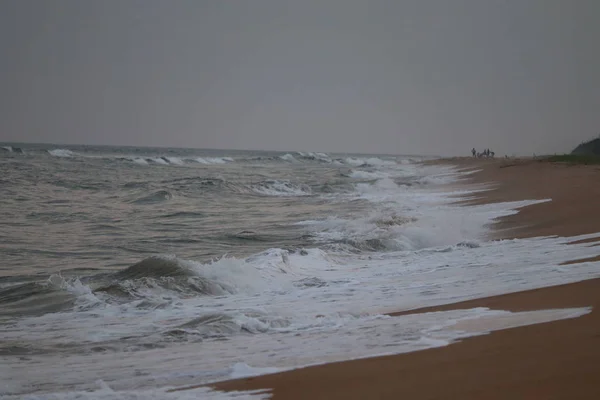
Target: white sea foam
[139, 160]
[507, 320]
[243, 370]
[368, 175]
[175, 160]
[440, 179]
[322, 157]
[214, 160]
[61, 153]
[347, 337]
[104, 392]
[288, 157]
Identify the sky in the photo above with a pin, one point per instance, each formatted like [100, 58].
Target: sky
[432, 77]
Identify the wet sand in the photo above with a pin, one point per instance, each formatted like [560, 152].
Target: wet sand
[574, 190]
[555, 360]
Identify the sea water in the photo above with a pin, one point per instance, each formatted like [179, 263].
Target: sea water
[131, 271]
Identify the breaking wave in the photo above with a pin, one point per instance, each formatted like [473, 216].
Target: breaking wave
[12, 149]
[371, 237]
[213, 160]
[177, 160]
[37, 298]
[159, 160]
[174, 160]
[322, 157]
[139, 160]
[227, 275]
[295, 157]
[61, 153]
[34, 298]
[153, 281]
[288, 157]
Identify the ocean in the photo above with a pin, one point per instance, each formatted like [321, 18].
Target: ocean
[125, 271]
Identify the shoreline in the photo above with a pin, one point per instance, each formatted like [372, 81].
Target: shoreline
[550, 360]
[571, 188]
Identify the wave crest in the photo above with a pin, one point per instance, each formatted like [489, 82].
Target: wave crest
[214, 160]
[288, 157]
[310, 156]
[61, 153]
[12, 149]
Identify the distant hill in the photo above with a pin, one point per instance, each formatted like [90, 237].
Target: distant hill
[588, 148]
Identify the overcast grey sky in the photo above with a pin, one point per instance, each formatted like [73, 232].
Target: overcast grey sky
[395, 76]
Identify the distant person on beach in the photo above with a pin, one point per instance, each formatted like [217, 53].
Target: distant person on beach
[474, 152]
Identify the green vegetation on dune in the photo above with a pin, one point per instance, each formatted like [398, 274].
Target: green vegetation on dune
[587, 153]
[591, 147]
[575, 159]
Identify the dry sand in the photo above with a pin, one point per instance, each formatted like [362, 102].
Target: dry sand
[556, 360]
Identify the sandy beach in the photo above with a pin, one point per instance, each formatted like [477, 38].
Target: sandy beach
[556, 360]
